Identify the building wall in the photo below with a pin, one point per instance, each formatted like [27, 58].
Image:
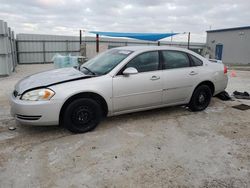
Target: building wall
[236, 45]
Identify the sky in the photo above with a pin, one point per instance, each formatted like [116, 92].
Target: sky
[66, 17]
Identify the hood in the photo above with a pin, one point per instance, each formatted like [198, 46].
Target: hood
[48, 78]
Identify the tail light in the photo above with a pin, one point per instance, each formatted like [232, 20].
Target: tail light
[225, 69]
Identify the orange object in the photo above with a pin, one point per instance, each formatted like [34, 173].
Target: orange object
[233, 73]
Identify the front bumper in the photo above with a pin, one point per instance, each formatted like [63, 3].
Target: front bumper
[35, 112]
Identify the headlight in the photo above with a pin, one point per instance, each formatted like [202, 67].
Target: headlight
[38, 95]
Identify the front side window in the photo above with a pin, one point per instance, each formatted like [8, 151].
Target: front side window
[105, 62]
[175, 59]
[148, 61]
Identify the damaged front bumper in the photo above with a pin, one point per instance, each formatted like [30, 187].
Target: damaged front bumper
[35, 112]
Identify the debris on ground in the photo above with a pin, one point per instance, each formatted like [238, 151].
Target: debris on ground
[12, 128]
[241, 95]
[241, 107]
[223, 96]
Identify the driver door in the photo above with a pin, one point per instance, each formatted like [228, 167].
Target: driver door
[141, 90]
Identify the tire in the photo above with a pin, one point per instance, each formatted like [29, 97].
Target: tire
[82, 115]
[201, 98]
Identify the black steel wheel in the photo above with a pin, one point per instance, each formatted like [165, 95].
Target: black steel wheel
[201, 98]
[82, 115]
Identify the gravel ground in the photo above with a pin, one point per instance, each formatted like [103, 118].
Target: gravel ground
[169, 147]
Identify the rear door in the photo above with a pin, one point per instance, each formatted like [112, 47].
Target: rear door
[179, 76]
[140, 90]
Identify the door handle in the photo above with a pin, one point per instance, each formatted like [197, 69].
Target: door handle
[193, 73]
[155, 78]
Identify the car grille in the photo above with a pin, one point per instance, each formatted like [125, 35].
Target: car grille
[28, 117]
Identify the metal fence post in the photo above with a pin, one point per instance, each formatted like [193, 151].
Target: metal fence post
[80, 37]
[67, 47]
[44, 55]
[17, 52]
[97, 43]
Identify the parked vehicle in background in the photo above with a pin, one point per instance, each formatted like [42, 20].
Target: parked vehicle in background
[118, 81]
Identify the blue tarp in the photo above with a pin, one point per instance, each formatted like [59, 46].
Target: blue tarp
[140, 36]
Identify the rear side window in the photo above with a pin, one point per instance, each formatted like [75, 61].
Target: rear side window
[148, 61]
[175, 59]
[196, 61]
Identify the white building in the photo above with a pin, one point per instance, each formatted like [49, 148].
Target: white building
[231, 45]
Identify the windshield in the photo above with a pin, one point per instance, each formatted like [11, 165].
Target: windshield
[105, 62]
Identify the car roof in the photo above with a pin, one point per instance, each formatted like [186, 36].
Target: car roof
[148, 48]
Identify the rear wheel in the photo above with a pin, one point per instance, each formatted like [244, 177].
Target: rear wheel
[201, 98]
[82, 115]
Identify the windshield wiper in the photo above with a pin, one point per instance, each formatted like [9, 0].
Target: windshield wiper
[89, 70]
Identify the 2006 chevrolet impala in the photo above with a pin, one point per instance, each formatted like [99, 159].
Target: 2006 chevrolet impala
[118, 81]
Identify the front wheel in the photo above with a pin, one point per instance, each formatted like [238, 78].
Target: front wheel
[201, 98]
[82, 115]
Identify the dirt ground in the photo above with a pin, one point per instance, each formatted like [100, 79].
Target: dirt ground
[169, 147]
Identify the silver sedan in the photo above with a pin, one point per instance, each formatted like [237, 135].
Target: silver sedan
[118, 81]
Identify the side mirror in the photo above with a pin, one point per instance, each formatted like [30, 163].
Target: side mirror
[130, 70]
